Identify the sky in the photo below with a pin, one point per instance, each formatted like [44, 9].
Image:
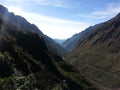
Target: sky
[60, 19]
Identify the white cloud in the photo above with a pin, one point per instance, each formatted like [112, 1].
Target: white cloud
[53, 27]
[53, 3]
[111, 10]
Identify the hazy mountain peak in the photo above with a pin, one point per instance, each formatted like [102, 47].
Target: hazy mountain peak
[3, 9]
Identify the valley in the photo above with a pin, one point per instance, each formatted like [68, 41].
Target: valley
[31, 60]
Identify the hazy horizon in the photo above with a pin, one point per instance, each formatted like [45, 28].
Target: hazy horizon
[60, 19]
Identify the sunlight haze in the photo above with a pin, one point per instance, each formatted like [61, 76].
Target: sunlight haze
[62, 18]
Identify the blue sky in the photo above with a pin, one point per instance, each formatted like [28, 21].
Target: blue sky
[63, 18]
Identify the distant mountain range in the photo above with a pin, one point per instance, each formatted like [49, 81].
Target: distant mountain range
[97, 54]
[55, 47]
[28, 60]
[59, 41]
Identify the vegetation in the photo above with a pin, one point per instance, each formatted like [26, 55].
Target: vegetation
[26, 63]
[97, 55]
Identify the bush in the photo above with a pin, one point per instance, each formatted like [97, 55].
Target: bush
[6, 64]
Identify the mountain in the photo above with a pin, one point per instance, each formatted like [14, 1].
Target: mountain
[54, 46]
[23, 24]
[97, 55]
[70, 43]
[26, 63]
[18, 21]
[59, 41]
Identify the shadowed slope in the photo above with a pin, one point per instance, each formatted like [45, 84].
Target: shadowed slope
[29, 64]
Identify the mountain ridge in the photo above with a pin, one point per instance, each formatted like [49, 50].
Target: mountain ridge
[70, 43]
[26, 63]
[22, 23]
[97, 54]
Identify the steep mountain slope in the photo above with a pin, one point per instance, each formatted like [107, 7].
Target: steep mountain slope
[97, 54]
[17, 21]
[27, 64]
[70, 43]
[23, 24]
[54, 46]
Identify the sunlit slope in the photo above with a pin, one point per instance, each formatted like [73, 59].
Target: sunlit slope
[97, 55]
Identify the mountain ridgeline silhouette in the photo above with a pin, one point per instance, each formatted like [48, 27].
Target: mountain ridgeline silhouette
[22, 24]
[70, 43]
[27, 62]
